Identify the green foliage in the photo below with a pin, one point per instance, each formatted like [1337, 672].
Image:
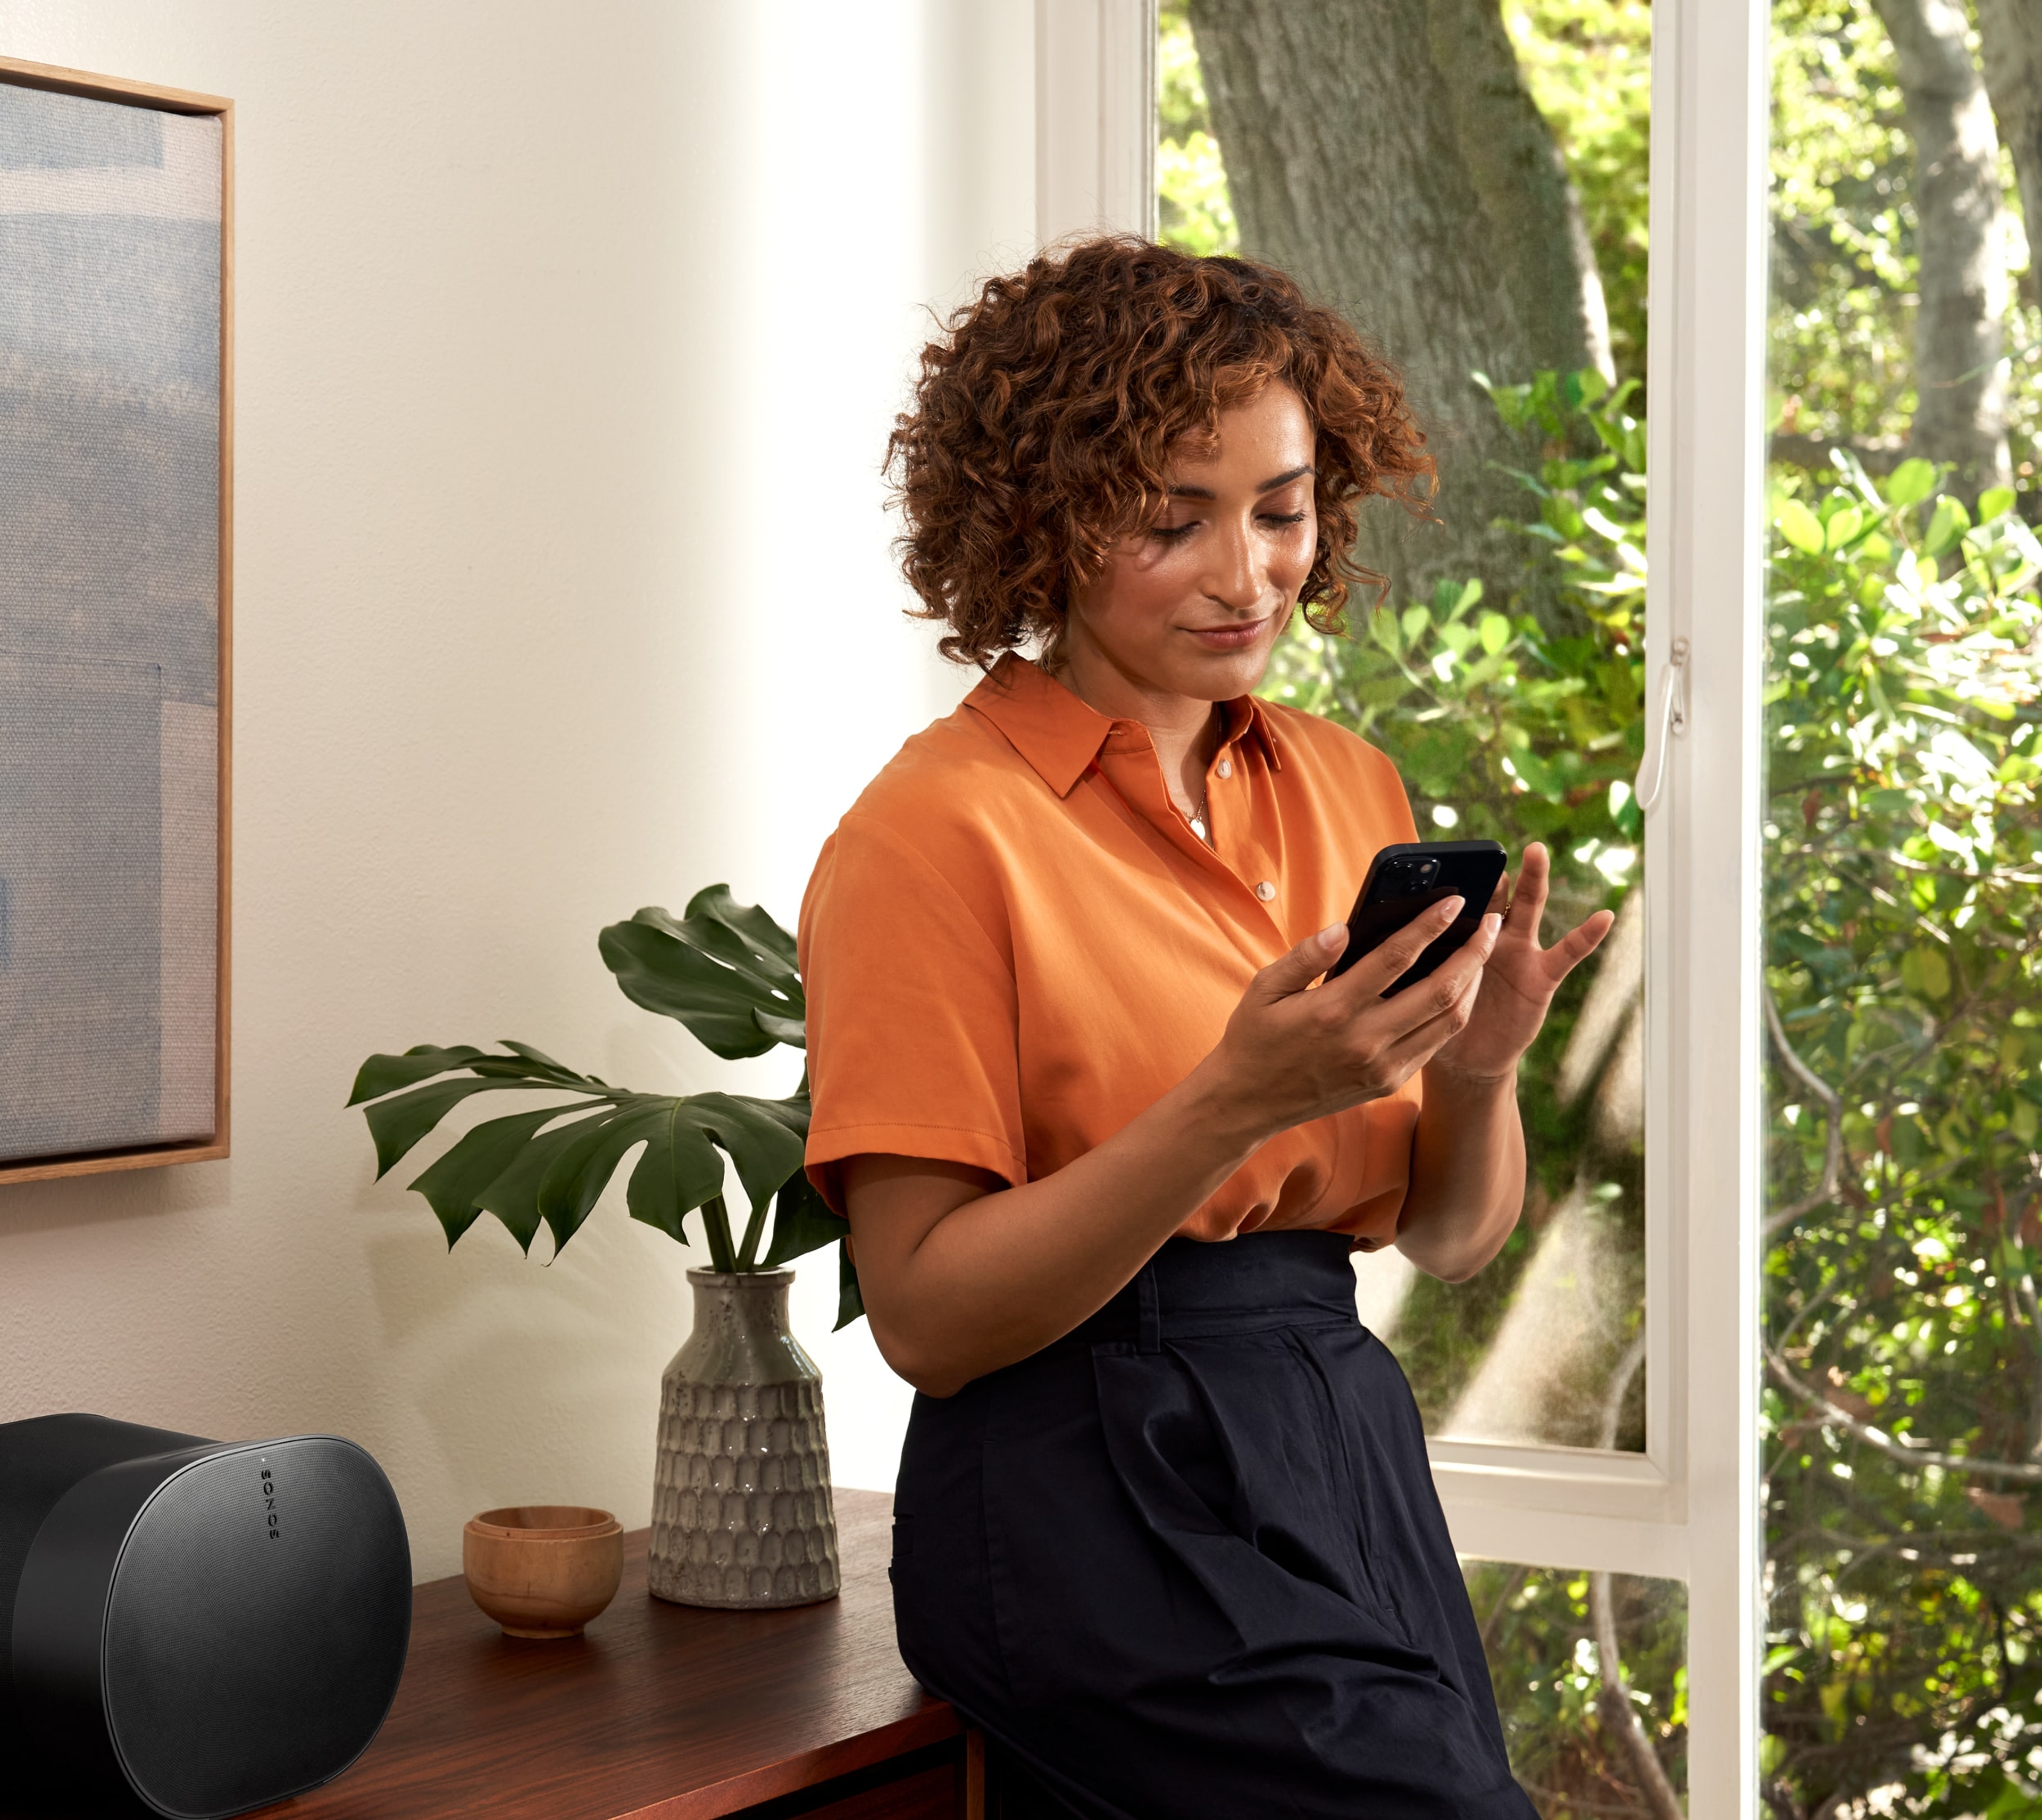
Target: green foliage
[727, 972]
[1543, 1669]
[1903, 847]
[1194, 210]
[1499, 731]
[1845, 269]
[1844, 264]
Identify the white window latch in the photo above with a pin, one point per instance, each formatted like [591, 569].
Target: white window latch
[1670, 717]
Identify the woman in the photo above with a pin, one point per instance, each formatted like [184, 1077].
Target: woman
[1164, 1526]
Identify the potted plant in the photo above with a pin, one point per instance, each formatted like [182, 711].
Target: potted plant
[742, 1514]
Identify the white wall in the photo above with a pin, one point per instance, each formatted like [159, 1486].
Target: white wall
[568, 338]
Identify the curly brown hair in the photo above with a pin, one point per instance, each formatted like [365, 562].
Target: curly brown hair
[1044, 418]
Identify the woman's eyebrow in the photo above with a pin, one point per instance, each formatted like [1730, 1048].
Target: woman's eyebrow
[1269, 486]
[1286, 477]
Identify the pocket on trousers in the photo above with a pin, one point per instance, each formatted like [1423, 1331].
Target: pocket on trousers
[1065, 1566]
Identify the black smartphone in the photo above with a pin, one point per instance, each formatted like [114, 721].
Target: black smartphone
[1405, 881]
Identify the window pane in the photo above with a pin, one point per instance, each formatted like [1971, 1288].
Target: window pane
[1573, 1743]
[1471, 192]
[1903, 1411]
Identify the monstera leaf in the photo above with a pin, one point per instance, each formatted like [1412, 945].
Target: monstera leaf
[728, 971]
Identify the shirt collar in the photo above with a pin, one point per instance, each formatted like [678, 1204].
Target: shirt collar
[1060, 735]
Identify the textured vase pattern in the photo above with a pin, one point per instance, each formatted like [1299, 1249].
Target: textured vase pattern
[741, 1509]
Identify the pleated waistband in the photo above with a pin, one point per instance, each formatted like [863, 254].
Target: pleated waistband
[1192, 1290]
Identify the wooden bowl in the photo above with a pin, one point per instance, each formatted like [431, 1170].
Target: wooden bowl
[543, 1569]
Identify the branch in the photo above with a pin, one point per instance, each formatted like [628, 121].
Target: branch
[1517, 1579]
[1934, 1030]
[1614, 1703]
[1941, 1541]
[1833, 1157]
[1617, 1712]
[1619, 1387]
[1832, 1416]
[1814, 452]
[1808, 1310]
[1780, 1800]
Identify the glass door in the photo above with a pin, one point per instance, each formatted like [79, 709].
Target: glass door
[1503, 667]
[1476, 201]
[1902, 841]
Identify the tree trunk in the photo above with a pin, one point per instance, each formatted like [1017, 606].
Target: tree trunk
[1960, 331]
[2011, 31]
[1528, 202]
[1386, 154]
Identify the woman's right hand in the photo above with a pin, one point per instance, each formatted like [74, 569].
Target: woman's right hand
[1292, 1054]
[963, 1274]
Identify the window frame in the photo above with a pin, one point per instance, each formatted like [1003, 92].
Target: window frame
[1688, 1507]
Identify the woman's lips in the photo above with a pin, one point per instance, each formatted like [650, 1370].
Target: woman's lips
[1228, 637]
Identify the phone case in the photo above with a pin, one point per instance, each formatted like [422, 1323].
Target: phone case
[1406, 880]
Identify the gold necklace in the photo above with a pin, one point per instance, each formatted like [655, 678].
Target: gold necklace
[1198, 818]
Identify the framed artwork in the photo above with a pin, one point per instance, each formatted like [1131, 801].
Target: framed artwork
[115, 505]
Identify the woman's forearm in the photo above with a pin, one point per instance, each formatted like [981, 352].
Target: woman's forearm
[959, 1281]
[1467, 1175]
[955, 1291]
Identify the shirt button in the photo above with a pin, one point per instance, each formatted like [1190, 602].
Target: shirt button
[1226, 767]
[1265, 891]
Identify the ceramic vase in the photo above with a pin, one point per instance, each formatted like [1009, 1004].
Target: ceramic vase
[742, 1517]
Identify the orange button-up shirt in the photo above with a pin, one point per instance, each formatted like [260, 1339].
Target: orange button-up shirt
[1014, 943]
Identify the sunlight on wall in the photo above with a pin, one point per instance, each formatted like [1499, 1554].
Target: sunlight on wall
[567, 343]
[856, 231]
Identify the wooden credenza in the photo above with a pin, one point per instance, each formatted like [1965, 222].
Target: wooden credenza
[664, 1712]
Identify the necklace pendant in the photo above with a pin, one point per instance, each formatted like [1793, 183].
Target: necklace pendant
[1199, 828]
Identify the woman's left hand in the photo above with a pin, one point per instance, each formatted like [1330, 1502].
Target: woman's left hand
[1520, 978]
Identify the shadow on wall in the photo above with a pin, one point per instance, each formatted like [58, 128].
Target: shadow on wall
[455, 1333]
[73, 1201]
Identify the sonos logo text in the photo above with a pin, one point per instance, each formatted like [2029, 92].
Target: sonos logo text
[269, 1505]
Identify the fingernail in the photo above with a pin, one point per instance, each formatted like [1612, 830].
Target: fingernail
[1453, 906]
[1331, 934]
[1491, 923]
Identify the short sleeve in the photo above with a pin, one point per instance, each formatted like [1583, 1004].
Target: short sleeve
[911, 1015]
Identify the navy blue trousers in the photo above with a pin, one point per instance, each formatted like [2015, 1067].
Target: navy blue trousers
[1187, 1563]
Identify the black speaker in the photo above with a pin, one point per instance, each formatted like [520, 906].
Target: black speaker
[215, 1626]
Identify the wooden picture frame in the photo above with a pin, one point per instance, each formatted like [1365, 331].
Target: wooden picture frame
[197, 1146]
